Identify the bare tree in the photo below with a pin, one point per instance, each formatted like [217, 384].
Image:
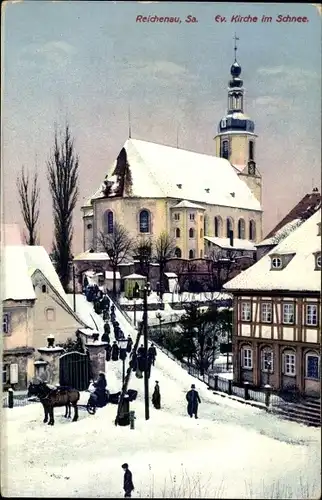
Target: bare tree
[143, 253]
[29, 193]
[221, 264]
[118, 246]
[62, 172]
[164, 251]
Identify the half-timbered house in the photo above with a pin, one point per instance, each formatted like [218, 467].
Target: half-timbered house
[277, 314]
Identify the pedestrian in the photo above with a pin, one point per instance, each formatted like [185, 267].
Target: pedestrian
[193, 399]
[141, 350]
[128, 485]
[108, 350]
[99, 395]
[133, 361]
[115, 351]
[156, 396]
[129, 344]
[152, 353]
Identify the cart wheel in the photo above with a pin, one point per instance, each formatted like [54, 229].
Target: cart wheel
[91, 409]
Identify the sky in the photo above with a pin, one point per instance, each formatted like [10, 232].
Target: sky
[88, 62]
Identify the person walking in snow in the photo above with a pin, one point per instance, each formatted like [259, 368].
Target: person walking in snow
[152, 353]
[128, 485]
[115, 351]
[100, 390]
[108, 350]
[156, 396]
[129, 344]
[193, 399]
[141, 350]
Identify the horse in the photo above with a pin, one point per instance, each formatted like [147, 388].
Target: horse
[51, 398]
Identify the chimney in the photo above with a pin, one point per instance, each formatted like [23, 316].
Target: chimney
[231, 238]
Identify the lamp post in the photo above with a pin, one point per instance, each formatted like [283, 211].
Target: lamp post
[146, 292]
[123, 353]
[136, 294]
[74, 286]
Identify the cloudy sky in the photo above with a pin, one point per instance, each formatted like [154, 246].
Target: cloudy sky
[86, 62]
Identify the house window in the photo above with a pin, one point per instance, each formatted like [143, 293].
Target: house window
[50, 314]
[229, 227]
[224, 149]
[192, 216]
[318, 261]
[191, 233]
[201, 254]
[289, 364]
[267, 360]
[312, 366]
[177, 216]
[288, 314]
[108, 221]
[201, 233]
[44, 289]
[5, 373]
[218, 226]
[246, 311]
[311, 315]
[191, 254]
[6, 323]
[252, 230]
[177, 232]
[144, 221]
[276, 263]
[177, 252]
[241, 229]
[266, 312]
[247, 357]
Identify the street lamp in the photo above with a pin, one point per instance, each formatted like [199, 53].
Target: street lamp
[146, 292]
[136, 295]
[123, 353]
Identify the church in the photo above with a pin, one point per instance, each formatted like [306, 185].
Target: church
[195, 198]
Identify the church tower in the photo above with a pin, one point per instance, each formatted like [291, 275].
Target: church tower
[236, 138]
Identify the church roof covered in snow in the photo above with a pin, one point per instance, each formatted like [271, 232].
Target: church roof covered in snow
[158, 171]
[238, 244]
[298, 272]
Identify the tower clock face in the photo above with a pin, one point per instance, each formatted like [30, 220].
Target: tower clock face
[251, 168]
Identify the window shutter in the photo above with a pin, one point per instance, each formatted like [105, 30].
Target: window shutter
[14, 373]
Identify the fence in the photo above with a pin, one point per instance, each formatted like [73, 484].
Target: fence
[17, 399]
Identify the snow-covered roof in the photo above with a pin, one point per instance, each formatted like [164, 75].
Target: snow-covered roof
[160, 171]
[281, 233]
[188, 204]
[238, 244]
[88, 255]
[298, 275]
[171, 275]
[109, 275]
[89, 213]
[135, 277]
[15, 279]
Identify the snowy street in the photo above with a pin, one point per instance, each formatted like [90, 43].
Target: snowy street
[232, 450]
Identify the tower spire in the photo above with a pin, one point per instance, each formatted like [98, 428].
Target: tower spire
[235, 46]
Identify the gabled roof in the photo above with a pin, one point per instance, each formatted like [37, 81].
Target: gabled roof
[306, 207]
[188, 204]
[298, 275]
[15, 280]
[159, 171]
[238, 244]
[281, 233]
[88, 255]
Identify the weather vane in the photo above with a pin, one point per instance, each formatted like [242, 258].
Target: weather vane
[235, 47]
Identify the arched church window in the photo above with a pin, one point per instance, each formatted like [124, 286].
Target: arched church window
[177, 233]
[252, 230]
[144, 221]
[191, 233]
[177, 252]
[191, 254]
[251, 150]
[218, 226]
[241, 229]
[229, 226]
[225, 149]
[108, 221]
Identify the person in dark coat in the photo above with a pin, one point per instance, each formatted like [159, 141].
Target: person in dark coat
[129, 344]
[141, 350]
[134, 362]
[156, 396]
[152, 353]
[105, 337]
[107, 328]
[128, 485]
[108, 350]
[100, 390]
[115, 351]
[193, 399]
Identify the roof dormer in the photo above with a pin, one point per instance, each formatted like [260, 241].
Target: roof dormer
[280, 261]
[317, 256]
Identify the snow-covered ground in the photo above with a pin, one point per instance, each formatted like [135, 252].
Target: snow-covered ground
[183, 297]
[231, 451]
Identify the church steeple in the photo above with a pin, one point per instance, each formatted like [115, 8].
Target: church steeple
[235, 139]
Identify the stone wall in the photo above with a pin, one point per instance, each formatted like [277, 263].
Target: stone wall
[22, 357]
